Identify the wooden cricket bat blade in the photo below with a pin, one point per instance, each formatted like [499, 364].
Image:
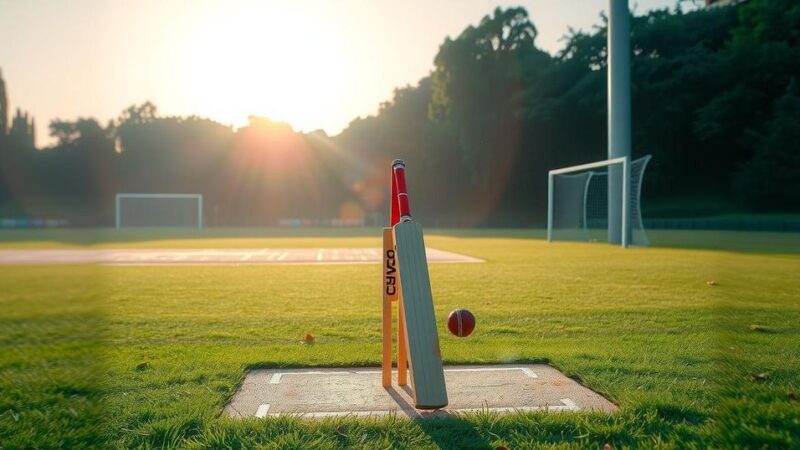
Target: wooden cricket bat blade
[422, 338]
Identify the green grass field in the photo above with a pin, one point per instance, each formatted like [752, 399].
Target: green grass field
[148, 356]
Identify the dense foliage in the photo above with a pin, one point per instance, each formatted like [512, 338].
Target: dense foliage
[715, 101]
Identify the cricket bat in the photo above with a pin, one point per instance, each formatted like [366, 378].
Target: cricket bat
[422, 339]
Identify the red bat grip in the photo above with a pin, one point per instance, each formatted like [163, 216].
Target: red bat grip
[399, 175]
[405, 214]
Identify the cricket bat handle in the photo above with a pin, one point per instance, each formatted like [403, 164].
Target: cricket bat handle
[399, 169]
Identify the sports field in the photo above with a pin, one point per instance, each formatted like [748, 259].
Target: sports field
[148, 356]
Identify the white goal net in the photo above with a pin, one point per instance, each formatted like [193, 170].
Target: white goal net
[159, 210]
[578, 202]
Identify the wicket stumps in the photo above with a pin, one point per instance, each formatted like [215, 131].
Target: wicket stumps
[391, 296]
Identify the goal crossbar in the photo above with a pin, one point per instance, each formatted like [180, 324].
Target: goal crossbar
[591, 165]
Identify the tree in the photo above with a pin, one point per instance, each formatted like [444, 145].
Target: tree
[475, 83]
[21, 131]
[3, 107]
[137, 114]
[770, 179]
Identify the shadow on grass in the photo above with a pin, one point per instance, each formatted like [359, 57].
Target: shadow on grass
[442, 426]
[451, 431]
[728, 241]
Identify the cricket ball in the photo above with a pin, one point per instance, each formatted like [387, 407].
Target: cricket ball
[461, 322]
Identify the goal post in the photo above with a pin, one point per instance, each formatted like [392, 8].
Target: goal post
[158, 210]
[579, 199]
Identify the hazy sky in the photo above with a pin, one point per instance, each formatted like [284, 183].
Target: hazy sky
[312, 63]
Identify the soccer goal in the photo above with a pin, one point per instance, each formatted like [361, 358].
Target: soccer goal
[159, 210]
[578, 205]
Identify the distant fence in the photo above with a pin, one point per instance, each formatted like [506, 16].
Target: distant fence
[335, 222]
[727, 223]
[33, 223]
[748, 224]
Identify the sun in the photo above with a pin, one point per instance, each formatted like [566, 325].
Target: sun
[266, 59]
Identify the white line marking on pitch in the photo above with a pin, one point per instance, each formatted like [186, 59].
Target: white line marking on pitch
[283, 256]
[263, 410]
[525, 370]
[278, 376]
[570, 405]
[342, 413]
[567, 405]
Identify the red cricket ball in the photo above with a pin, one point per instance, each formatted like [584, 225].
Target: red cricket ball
[461, 322]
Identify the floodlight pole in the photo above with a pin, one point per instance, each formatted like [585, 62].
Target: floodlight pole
[619, 116]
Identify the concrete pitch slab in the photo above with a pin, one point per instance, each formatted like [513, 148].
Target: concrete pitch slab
[317, 393]
[214, 256]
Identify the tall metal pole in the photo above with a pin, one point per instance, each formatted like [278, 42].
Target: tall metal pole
[619, 110]
[549, 207]
[117, 215]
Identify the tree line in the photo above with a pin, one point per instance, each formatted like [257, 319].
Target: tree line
[715, 100]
